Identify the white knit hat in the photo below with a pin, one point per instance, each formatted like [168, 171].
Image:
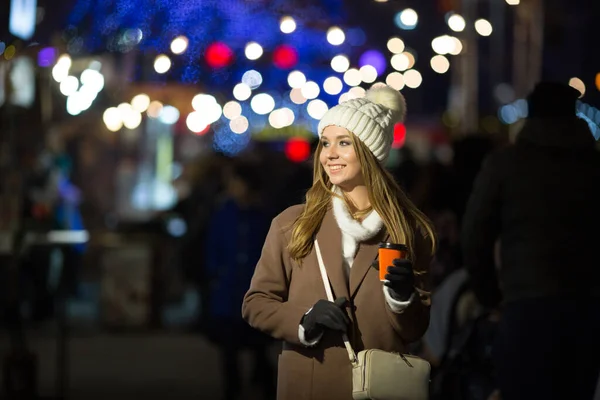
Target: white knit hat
[371, 118]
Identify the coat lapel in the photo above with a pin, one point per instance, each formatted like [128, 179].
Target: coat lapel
[367, 253]
[330, 242]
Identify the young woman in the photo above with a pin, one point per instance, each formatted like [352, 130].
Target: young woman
[353, 205]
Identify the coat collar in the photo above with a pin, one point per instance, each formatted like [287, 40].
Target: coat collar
[330, 241]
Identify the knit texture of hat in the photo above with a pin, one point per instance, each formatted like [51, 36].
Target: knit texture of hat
[371, 118]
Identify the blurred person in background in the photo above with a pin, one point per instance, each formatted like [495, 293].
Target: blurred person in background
[234, 239]
[352, 206]
[540, 197]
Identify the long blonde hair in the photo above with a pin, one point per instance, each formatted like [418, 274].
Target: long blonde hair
[400, 216]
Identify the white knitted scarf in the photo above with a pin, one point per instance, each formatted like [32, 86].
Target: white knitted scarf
[353, 232]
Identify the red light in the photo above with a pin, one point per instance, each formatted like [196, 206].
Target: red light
[297, 150]
[285, 57]
[218, 55]
[399, 135]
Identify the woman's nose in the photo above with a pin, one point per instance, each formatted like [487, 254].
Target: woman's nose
[332, 152]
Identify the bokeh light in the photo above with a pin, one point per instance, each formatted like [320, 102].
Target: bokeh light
[407, 19]
[297, 149]
[395, 45]
[140, 102]
[262, 103]
[483, 27]
[395, 80]
[239, 125]
[285, 57]
[374, 58]
[179, 45]
[457, 23]
[317, 109]
[333, 85]
[310, 90]
[440, 64]
[413, 78]
[340, 63]
[242, 92]
[232, 109]
[352, 77]
[253, 51]
[287, 24]
[162, 64]
[296, 79]
[252, 78]
[335, 36]
[218, 55]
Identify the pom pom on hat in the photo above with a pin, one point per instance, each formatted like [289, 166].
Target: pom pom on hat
[371, 118]
[389, 98]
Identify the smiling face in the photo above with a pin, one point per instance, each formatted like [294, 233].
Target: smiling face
[339, 159]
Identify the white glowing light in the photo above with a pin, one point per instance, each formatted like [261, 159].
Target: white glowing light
[196, 122]
[413, 78]
[457, 23]
[368, 73]
[395, 45]
[340, 63]
[297, 97]
[262, 103]
[112, 119]
[179, 45]
[317, 109]
[409, 18]
[483, 27]
[310, 90]
[140, 102]
[357, 92]
[400, 62]
[239, 125]
[253, 51]
[74, 106]
[287, 24]
[61, 70]
[69, 85]
[162, 64]
[232, 109]
[252, 78]
[209, 108]
[296, 79]
[281, 118]
[352, 77]
[169, 115]
[333, 85]
[132, 119]
[202, 101]
[440, 64]
[242, 92]
[395, 80]
[335, 36]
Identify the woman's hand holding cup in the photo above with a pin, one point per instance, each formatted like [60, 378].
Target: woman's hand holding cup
[395, 270]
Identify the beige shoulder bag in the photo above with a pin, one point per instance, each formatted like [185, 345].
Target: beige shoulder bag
[381, 375]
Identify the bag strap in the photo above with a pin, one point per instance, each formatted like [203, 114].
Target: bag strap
[327, 285]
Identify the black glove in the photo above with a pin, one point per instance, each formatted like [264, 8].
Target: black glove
[325, 314]
[400, 279]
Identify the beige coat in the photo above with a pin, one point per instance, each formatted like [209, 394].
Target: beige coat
[282, 291]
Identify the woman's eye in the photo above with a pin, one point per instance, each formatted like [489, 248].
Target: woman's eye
[344, 143]
[324, 144]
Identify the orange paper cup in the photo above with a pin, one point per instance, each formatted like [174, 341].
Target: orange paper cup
[388, 252]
